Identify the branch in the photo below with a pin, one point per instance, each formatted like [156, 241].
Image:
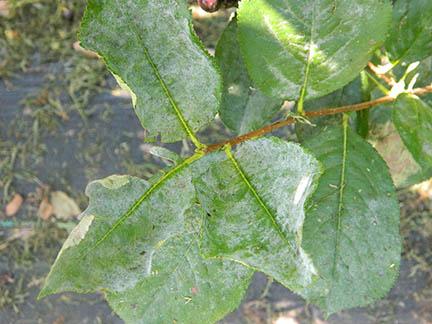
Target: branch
[311, 114]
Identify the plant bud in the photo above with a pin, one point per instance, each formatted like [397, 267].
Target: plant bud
[209, 5]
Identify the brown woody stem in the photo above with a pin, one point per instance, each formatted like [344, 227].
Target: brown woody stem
[311, 114]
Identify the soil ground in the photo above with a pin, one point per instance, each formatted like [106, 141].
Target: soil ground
[64, 122]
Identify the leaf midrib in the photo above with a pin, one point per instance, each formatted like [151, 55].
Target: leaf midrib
[187, 128]
[258, 198]
[308, 62]
[341, 193]
[142, 198]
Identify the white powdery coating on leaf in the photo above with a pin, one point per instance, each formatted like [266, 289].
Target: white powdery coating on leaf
[138, 37]
[287, 192]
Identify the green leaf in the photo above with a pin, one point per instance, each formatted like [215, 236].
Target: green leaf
[413, 120]
[410, 37]
[122, 244]
[351, 229]
[243, 108]
[151, 47]
[254, 199]
[425, 78]
[128, 216]
[184, 287]
[384, 137]
[306, 49]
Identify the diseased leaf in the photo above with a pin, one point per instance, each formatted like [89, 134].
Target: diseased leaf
[183, 287]
[254, 199]
[243, 108]
[413, 120]
[123, 250]
[150, 45]
[410, 37]
[351, 230]
[101, 255]
[291, 46]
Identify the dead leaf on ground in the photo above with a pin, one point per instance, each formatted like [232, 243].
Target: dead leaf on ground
[64, 207]
[14, 205]
[46, 210]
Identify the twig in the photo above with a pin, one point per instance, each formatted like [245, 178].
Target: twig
[311, 114]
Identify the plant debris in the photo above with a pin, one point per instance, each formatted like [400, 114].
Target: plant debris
[64, 207]
[14, 205]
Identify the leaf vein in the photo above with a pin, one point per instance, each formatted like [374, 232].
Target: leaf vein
[341, 192]
[257, 197]
[143, 197]
[162, 83]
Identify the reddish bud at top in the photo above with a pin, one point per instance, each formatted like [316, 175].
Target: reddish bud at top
[209, 5]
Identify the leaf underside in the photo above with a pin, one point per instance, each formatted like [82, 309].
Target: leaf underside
[351, 228]
[315, 46]
[150, 45]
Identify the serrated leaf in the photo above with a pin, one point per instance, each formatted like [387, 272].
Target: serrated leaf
[119, 247]
[151, 47]
[254, 199]
[316, 47]
[243, 108]
[351, 229]
[410, 37]
[183, 287]
[413, 120]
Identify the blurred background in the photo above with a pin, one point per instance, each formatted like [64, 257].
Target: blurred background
[64, 122]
